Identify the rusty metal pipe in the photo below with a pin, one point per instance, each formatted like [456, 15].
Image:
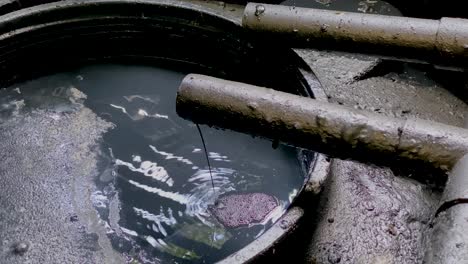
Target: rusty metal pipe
[449, 240]
[320, 126]
[442, 42]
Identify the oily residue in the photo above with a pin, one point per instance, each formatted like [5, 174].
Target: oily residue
[236, 210]
[47, 165]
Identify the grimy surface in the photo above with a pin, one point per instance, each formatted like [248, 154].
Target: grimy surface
[40, 200]
[368, 214]
[393, 208]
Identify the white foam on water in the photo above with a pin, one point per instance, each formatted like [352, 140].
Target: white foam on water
[177, 197]
[292, 195]
[158, 219]
[150, 169]
[203, 195]
[121, 108]
[170, 156]
[162, 243]
[155, 115]
[152, 241]
[131, 98]
[136, 158]
[140, 114]
[154, 228]
[99, 200]
[128, 231]
[218, 157]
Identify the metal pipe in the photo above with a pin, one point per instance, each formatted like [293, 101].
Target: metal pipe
[320, 126]
[443, 42]
[449, 239]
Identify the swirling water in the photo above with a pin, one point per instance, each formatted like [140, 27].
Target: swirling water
[153, 189]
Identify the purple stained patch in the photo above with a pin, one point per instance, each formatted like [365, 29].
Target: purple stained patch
[236, 210]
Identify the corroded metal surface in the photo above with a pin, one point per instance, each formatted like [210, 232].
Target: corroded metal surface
[436, 41]
[449, 237]
[339, 25]
[457, 184]
[328, 128]
[449, 240]
[452, 38]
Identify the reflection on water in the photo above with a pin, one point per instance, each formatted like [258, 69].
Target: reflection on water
[154, 190]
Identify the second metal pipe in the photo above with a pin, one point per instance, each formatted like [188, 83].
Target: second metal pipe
[316, 125]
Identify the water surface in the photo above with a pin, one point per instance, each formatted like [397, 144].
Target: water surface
[153, 187]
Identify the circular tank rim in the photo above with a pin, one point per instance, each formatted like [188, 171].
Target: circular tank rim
[288, 222]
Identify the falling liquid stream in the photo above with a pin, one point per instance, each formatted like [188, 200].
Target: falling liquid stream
[206, 154]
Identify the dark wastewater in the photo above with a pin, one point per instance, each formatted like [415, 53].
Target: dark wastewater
[152, 187]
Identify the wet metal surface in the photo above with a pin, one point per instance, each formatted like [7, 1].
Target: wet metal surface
[448, 236]
[441, 42]
[359, 6]
[448, 243]
[333, 129]
[456, 188]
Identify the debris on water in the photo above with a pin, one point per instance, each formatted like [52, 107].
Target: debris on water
[20, 248]
[244, 209]
[74, 218]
